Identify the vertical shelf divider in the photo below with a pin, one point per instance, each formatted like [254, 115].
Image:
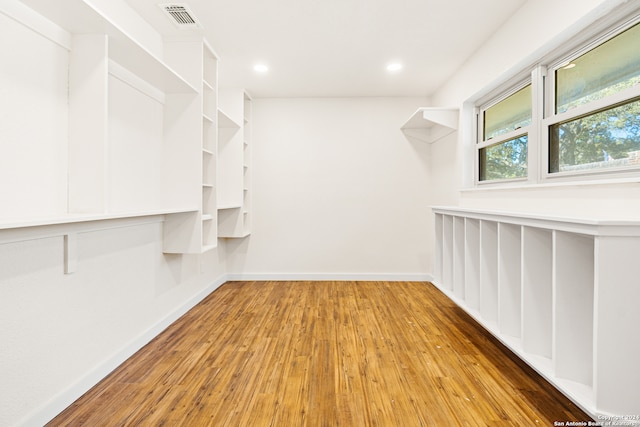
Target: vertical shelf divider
[573, 306]
[489, 270]
[439, 250]
[447, 250]
[537, 294]
[472, 263]
[458, 257]
[209, 148]
[510, 280]
[88, 124]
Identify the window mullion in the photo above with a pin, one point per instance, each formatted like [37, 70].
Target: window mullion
[536, 149]
[478, 136]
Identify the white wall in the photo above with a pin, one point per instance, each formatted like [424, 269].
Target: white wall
[62, 333]
[337, 189]
[33, 123]
[531, 33]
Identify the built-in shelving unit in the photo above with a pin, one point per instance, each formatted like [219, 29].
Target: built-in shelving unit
[430, 124]
[132, 43]
[115, 73]
[561, 293]
[137, 129]
[190, 146]
[234, 173]
[246, 170]
[209, 149]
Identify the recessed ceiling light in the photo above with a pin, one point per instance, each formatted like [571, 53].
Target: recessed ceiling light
[394, 66]
[260, 68]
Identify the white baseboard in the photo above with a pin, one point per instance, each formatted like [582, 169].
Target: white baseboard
[66, 397]
[388, 277]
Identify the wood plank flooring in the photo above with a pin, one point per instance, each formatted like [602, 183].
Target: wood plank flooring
[323, 354]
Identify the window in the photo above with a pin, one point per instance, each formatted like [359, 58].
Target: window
[606, 134]
[605, 139]
[577, 118]
[504, 160]
[503, 151]
[605, 70]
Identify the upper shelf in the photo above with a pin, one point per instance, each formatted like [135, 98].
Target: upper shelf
[593, 226]
[430, 124]
[81, 218]
[132, 43]
[225, 120]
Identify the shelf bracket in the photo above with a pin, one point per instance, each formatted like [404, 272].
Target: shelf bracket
[70, 253]
[431, 124]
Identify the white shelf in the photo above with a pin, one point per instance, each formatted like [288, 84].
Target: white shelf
[207, 248]
[583, 225]
[225, 121]
[78, 218]
[71, 225]
[207, 84]
[431, 124]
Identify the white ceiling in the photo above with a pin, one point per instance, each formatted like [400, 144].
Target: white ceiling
[323, 48]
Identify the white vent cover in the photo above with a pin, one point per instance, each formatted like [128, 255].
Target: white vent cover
[180, 15]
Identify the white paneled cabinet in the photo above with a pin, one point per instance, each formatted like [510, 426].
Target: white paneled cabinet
[562, 293]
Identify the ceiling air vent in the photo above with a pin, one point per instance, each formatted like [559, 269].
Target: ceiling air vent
[180, 15]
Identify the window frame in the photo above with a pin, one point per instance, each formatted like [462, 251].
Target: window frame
[553, 118]
[521, 81]
[541, 76]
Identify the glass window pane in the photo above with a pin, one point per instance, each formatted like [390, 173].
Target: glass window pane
[607, 69]
[505, 160]
[609, 138]
[509, 114]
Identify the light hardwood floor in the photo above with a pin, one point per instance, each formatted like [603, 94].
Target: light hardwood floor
[323, 354]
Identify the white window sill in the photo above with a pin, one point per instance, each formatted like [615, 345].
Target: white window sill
[546, 185]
